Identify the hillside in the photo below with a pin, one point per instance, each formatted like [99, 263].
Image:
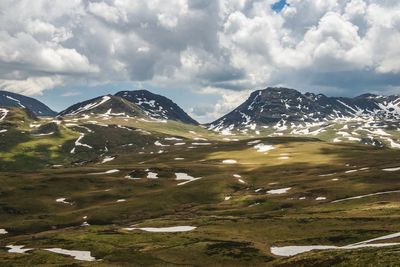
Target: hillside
[9, 100]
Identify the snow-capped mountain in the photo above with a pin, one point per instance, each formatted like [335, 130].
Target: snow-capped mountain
[156, 106]
[367, 119]
[104, 105]
[283, 107]
[8, 100]
[139, 104]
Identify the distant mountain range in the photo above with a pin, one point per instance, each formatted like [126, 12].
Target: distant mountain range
[288, 107]
[270, 106]
[139, 103]
[366, 119]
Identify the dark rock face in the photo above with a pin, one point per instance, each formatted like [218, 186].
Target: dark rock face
[156, 106]
[8, 99]
[274, 105]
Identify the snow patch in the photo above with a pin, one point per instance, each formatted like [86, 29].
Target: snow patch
[152, 175]
[229, 161]
[77, 254]
[279, 191]
[62, 200]
[391, 169]
[294, 250]
[78, 143]
[158, 143]
[263, 148]
[179, 144]
[106, 172]
[173, 139]
[172, 229]
[3, 231]
[107, 159]
[3, 113]
[184, 176]
[17, 249]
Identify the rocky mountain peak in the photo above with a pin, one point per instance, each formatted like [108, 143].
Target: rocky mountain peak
[156, 106]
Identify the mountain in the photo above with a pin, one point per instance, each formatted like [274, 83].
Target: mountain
[9, 100]
[106, 105]
[140, 103]
[157, 106]
[283, 106]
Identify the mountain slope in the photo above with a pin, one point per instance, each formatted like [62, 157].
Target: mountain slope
[288, 106]
[138, 104]
[8, 99]
[367, 119]
[157, 106]
[106, 105]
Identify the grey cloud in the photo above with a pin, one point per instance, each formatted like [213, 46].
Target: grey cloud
[202, 109]
[357, 80]
[338, 45]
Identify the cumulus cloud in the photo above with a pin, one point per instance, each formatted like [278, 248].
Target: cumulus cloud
[107, 12]
[228, 101]
[31, 85]
[229, 46]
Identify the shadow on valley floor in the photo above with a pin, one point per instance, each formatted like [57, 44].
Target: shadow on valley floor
[240, 210]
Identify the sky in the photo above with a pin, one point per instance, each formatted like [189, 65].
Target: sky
[206, 55]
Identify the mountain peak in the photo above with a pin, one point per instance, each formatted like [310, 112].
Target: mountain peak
[107, 105]
[9, 100]
[156, 106]
[284, 90]
[138, 103]
[278, 105]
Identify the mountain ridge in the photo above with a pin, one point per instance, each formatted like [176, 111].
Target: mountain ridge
[136, 103]
[277, 104]
[157, 106]
[9, 100]
[268, 106]
[107, 105]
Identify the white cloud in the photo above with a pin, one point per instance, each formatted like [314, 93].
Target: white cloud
[47, 32]
[23, 49]
[355, 8]
[228, 101]
[235, 45]
[383, 37]
[107, 12]
[31, 85]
